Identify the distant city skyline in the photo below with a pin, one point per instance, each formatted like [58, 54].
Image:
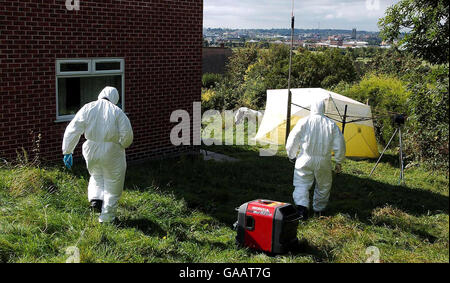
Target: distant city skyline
[266, 14]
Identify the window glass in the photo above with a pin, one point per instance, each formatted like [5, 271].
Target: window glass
[73, 93]
[107, 66]
[74, 67]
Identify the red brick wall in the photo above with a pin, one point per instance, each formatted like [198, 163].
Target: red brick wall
[160, 40]
[215, 59]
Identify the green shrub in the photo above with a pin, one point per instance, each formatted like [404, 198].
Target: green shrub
[228, 90]
[254, 95]
[210, 99]
[210, 80]
[239, 62]
[427, 138]
[385, 94]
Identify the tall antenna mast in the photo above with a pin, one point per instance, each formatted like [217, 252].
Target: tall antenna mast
[288, 118]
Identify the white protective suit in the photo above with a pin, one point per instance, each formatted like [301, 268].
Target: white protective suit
[316, 136]
[108, 133]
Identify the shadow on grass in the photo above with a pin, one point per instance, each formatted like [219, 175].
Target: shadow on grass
[218, 188]
[305, 248]
[392, 158]
[354, 195]
[144, 225]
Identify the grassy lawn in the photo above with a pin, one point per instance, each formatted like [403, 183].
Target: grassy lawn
[182, 210]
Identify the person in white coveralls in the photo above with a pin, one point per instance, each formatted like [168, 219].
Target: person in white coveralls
[108, 133]
[312, 142]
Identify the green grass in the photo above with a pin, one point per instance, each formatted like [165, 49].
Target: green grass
[182, 210]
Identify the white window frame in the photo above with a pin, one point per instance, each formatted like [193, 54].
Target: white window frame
[92, 72]
[95, 61]
[60, 62]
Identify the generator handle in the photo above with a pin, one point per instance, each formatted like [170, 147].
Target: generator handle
[250, 223]
[295, 219]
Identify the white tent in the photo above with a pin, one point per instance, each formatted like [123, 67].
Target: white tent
[359, 132]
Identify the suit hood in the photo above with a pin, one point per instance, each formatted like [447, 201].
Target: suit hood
[318, 107]
[110, 93]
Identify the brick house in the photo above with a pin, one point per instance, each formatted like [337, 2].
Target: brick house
[54, 60]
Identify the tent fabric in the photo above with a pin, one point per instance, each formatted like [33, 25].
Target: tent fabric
[359, 136]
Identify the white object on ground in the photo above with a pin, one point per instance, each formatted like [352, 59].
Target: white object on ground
[245, 112]
[208, 155]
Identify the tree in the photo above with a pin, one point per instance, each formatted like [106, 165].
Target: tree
[385, 94]
[323, 69]
[394, 62]
[270, 71]
[427, 136]
[426, 26]
[309, 69]
[241, 59]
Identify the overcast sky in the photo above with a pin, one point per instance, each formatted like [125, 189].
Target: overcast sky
[329, 14]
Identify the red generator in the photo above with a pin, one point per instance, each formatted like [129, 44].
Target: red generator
[268, 226]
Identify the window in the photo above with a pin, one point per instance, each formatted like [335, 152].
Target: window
[80, 81]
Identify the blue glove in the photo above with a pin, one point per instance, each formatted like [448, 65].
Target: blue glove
[68, 161]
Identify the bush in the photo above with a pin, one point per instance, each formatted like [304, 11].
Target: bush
[224, 96]
[254, 95]
[385, 94]
[210, 99]
[427, 137]
[210, 80]
[239, 62]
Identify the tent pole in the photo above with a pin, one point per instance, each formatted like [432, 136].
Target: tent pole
[381, 156]
[344, 122]
[288, 116]
[401, 182]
